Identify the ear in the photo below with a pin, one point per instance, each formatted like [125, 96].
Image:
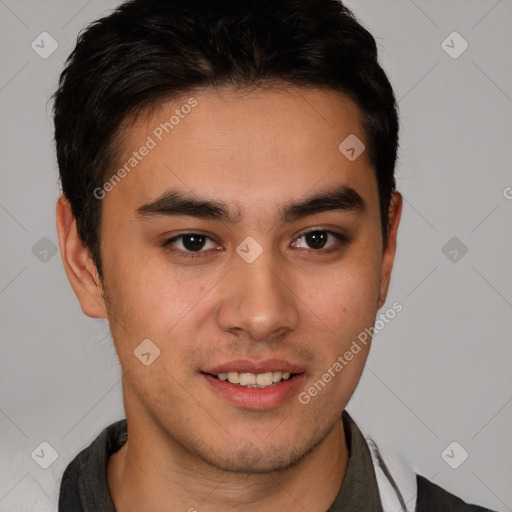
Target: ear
[79, 267]
[388, 253]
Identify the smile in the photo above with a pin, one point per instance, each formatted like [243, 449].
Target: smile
[254, 380]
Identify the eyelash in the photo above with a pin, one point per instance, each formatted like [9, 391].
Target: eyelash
[343, 240]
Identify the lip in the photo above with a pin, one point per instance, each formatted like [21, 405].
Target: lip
[247, 366]
[256, 399]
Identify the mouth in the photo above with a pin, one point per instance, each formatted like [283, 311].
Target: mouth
[255, 385]
[255, 380]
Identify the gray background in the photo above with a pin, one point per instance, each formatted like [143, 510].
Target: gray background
[438, 373]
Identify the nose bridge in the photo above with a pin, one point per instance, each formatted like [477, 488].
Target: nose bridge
[256, 297]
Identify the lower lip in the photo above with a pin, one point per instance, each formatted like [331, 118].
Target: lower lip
[257, 399]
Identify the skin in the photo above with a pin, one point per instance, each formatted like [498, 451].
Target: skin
[188, 448]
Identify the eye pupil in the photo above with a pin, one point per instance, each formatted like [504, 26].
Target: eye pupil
[316, 239]
[193, 242]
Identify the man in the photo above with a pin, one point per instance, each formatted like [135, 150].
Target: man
[229, 206]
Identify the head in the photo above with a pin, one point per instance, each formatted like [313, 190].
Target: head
[224, 120]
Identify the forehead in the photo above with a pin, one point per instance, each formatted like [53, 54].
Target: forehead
[247, 147]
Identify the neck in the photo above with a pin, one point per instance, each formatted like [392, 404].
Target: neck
[159, 475]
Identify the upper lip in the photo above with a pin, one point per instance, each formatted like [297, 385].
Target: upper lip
[247, 366]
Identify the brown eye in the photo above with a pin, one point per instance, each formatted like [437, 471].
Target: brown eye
[190, 243]
[317, 239]
[193, 242]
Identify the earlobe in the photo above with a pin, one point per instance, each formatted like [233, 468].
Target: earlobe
[388, 255]
[79, 267]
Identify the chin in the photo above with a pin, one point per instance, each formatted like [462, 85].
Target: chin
[250, 459]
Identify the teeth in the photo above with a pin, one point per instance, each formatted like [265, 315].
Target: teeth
[233, 377]
[247, 378]
[277, 376]
[265, 379]
[253, 380]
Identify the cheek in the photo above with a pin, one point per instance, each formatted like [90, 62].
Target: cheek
[343, 296]
[147, 298]
[153, 302]
[341, 311]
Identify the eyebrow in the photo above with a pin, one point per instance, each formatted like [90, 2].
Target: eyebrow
[175, 202]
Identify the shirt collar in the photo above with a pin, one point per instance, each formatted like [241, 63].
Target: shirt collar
[359, 490]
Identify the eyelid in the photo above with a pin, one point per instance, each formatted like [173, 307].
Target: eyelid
[327, 230]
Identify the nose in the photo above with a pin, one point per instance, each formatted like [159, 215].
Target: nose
[258, 299]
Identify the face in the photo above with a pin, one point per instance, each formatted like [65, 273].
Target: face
[251, 287]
